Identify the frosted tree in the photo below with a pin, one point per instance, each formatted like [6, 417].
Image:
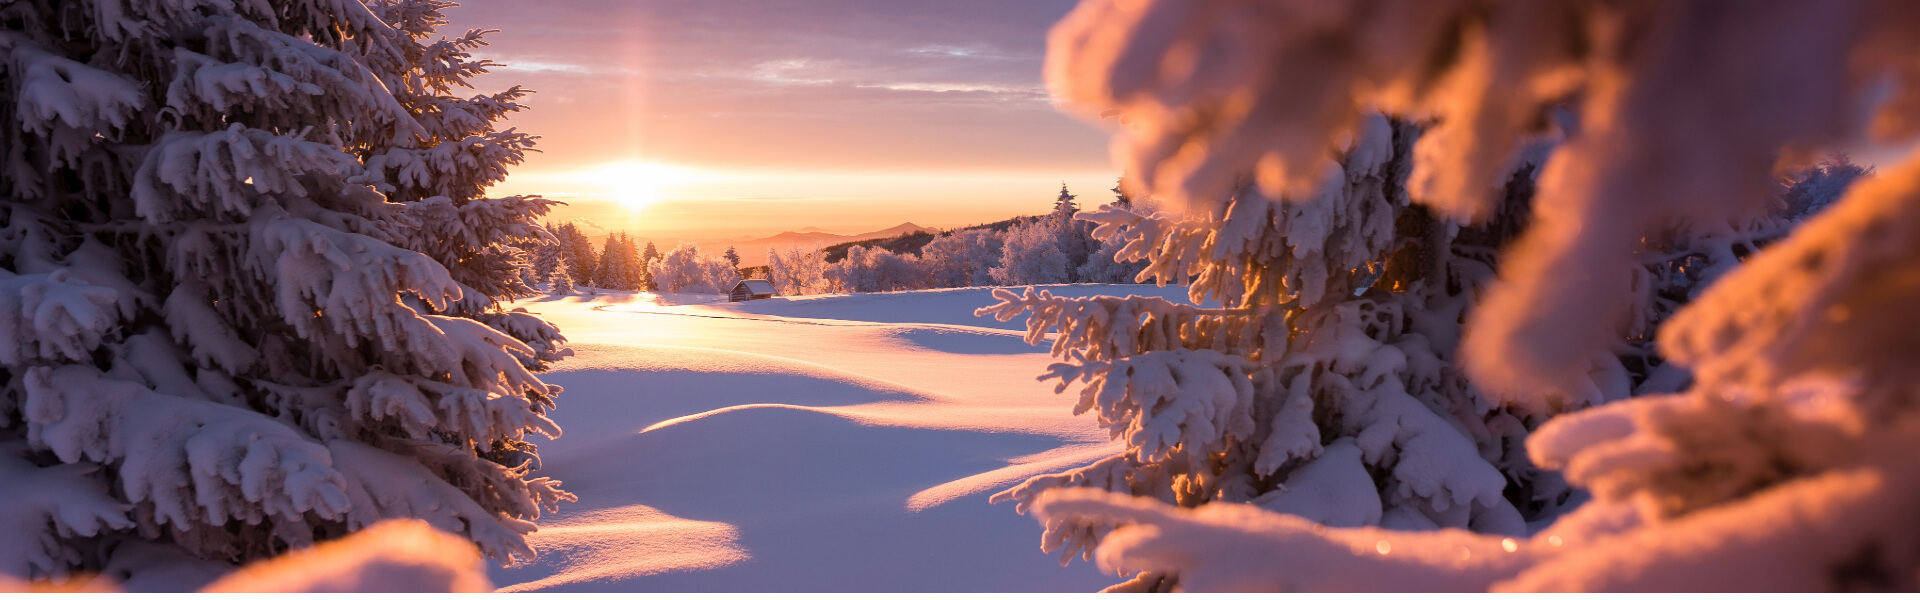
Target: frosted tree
[1105, 265]
[873, 270]
[796, 272]
[249, 284]
[1302, 394]
[1793, 447]
[548, 258]
[733, 256]
[647, 259]
[1031, 253]
[684, 269]
[559, 280]
[961, 258]
[1120, 195]
[1064, 206]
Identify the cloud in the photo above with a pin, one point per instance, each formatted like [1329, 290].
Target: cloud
[792, 71]
[885, 84]
[1022, 90]
[534, 66]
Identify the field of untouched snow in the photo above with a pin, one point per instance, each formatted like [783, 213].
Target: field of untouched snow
[823, 443]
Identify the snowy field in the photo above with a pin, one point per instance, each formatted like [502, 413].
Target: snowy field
[825, 443]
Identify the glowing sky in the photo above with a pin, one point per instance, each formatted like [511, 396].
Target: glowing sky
[751, 117]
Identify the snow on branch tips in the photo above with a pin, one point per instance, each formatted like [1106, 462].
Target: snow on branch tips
[1444, 235]
[225, 332]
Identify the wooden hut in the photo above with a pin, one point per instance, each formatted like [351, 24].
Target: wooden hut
[751, 289]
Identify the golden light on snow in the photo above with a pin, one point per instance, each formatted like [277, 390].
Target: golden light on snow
[1510, 545]
[637, 185]
[1383, 547]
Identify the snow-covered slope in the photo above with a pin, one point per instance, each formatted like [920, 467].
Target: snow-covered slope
[825, 443]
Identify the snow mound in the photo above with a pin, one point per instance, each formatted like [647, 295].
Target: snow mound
[802, 445]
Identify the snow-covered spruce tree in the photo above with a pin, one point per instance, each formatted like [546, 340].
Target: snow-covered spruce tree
[1074, 236]
[1793, 448]
[578, 251]
[547, 259]
[619, 266]
[1103, 264]
[559, 280]
[225, 328]
[1064, 206]
[647, 258]
[1305, 393]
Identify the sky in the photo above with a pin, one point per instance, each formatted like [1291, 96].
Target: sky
[719, 119]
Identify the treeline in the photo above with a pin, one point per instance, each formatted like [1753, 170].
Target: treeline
[1055, 248]
[570, 262]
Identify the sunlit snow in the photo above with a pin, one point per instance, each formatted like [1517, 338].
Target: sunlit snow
[841, 442]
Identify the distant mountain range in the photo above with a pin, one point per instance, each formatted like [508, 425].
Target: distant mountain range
[754, 251]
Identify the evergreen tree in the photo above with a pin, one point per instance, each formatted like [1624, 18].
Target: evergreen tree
[579, 253]
[548, 257]
[647, 259]
[1348, 252]
[560, 280]
[733, 257]
[1064, 207]
[250, 283]
[615, 271]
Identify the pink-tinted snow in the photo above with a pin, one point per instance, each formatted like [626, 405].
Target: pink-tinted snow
[821, 443]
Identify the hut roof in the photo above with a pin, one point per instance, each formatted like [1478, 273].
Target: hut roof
[758, 287]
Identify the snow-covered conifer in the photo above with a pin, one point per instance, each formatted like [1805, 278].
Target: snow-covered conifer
[1105, 266]
[548, 257]
[560, 279]
[250, 284]
[1793, 446]
[619, 266]
[1064, 207]
[1121, 196]
[578, 251]
[733, 256]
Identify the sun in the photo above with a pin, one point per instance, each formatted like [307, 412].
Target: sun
[639, 184]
